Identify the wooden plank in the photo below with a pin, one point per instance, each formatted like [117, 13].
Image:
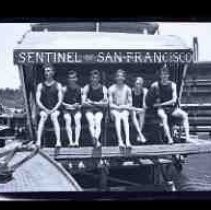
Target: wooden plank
[204, 105]
[200, 128]
[28, 112]
[199, 146]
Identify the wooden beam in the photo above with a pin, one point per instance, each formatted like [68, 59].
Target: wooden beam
[28, 112]
[199, 146]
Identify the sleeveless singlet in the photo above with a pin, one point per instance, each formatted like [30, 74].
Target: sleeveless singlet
[72, 95]
[95, 94]
[138, 99]
[49, 95]
[166, 94]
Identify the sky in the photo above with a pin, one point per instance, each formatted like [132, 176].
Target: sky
[11, 33]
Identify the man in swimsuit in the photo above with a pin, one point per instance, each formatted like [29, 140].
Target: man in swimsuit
[72, 107]
[49, 99]
[138, 108]
[120, 101]
[166, 91]
[94, 100]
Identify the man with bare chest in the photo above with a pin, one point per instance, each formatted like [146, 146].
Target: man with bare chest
[120, 101]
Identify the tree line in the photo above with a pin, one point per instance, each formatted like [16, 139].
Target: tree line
[12, 98]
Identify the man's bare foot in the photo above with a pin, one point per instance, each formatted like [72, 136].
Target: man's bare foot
[188, 140]
[98, 144]
[128, 145]
[58, 144]
[38, 144]
[70, 144]
[138, 139]
[170, 141]
[143, 140]
[121, 145]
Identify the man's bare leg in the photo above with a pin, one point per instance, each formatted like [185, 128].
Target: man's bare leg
[141, 123]
[125, 115]
[91, 122]
[137, 126]
[77, 118]
[68, 124]
[43, 118]
[117, 121]
[163, 116]
[98, 120]
[54, 118]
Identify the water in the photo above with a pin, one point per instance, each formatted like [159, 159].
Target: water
[196, 174]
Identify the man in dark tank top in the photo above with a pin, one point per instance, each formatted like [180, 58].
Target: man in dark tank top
[72, 107]
[166, 103]
[94, 101]
[49, 99]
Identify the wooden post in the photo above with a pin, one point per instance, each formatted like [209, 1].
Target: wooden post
[182, 82]
[29, 120]
[156, 174]
[167, 177]
[103, 176]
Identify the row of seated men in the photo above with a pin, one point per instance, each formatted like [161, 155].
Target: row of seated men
[54, 100]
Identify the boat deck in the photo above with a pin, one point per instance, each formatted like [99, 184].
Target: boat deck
[39, 174]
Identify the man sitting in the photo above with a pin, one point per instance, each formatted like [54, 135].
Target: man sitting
[72, 107]
[94, 101]
[120, 101]
[49, 99]
[166, 93]
[139, 106]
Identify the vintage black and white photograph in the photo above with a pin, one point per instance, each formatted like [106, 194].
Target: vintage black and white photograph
[105, 107]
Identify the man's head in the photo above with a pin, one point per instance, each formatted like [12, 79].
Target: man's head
[94, 76]
[139, 83]
[164, 74]
[49, 72]
[120, 76]
[72, 77]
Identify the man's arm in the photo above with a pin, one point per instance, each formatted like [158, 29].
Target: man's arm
[60, 98]
[144, 98]
[38, 97]
[85, 100]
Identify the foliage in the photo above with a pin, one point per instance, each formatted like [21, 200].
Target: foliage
[12, 98]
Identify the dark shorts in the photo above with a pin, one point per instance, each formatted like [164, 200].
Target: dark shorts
[68, 111]
[60, 109]
[94, 110]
